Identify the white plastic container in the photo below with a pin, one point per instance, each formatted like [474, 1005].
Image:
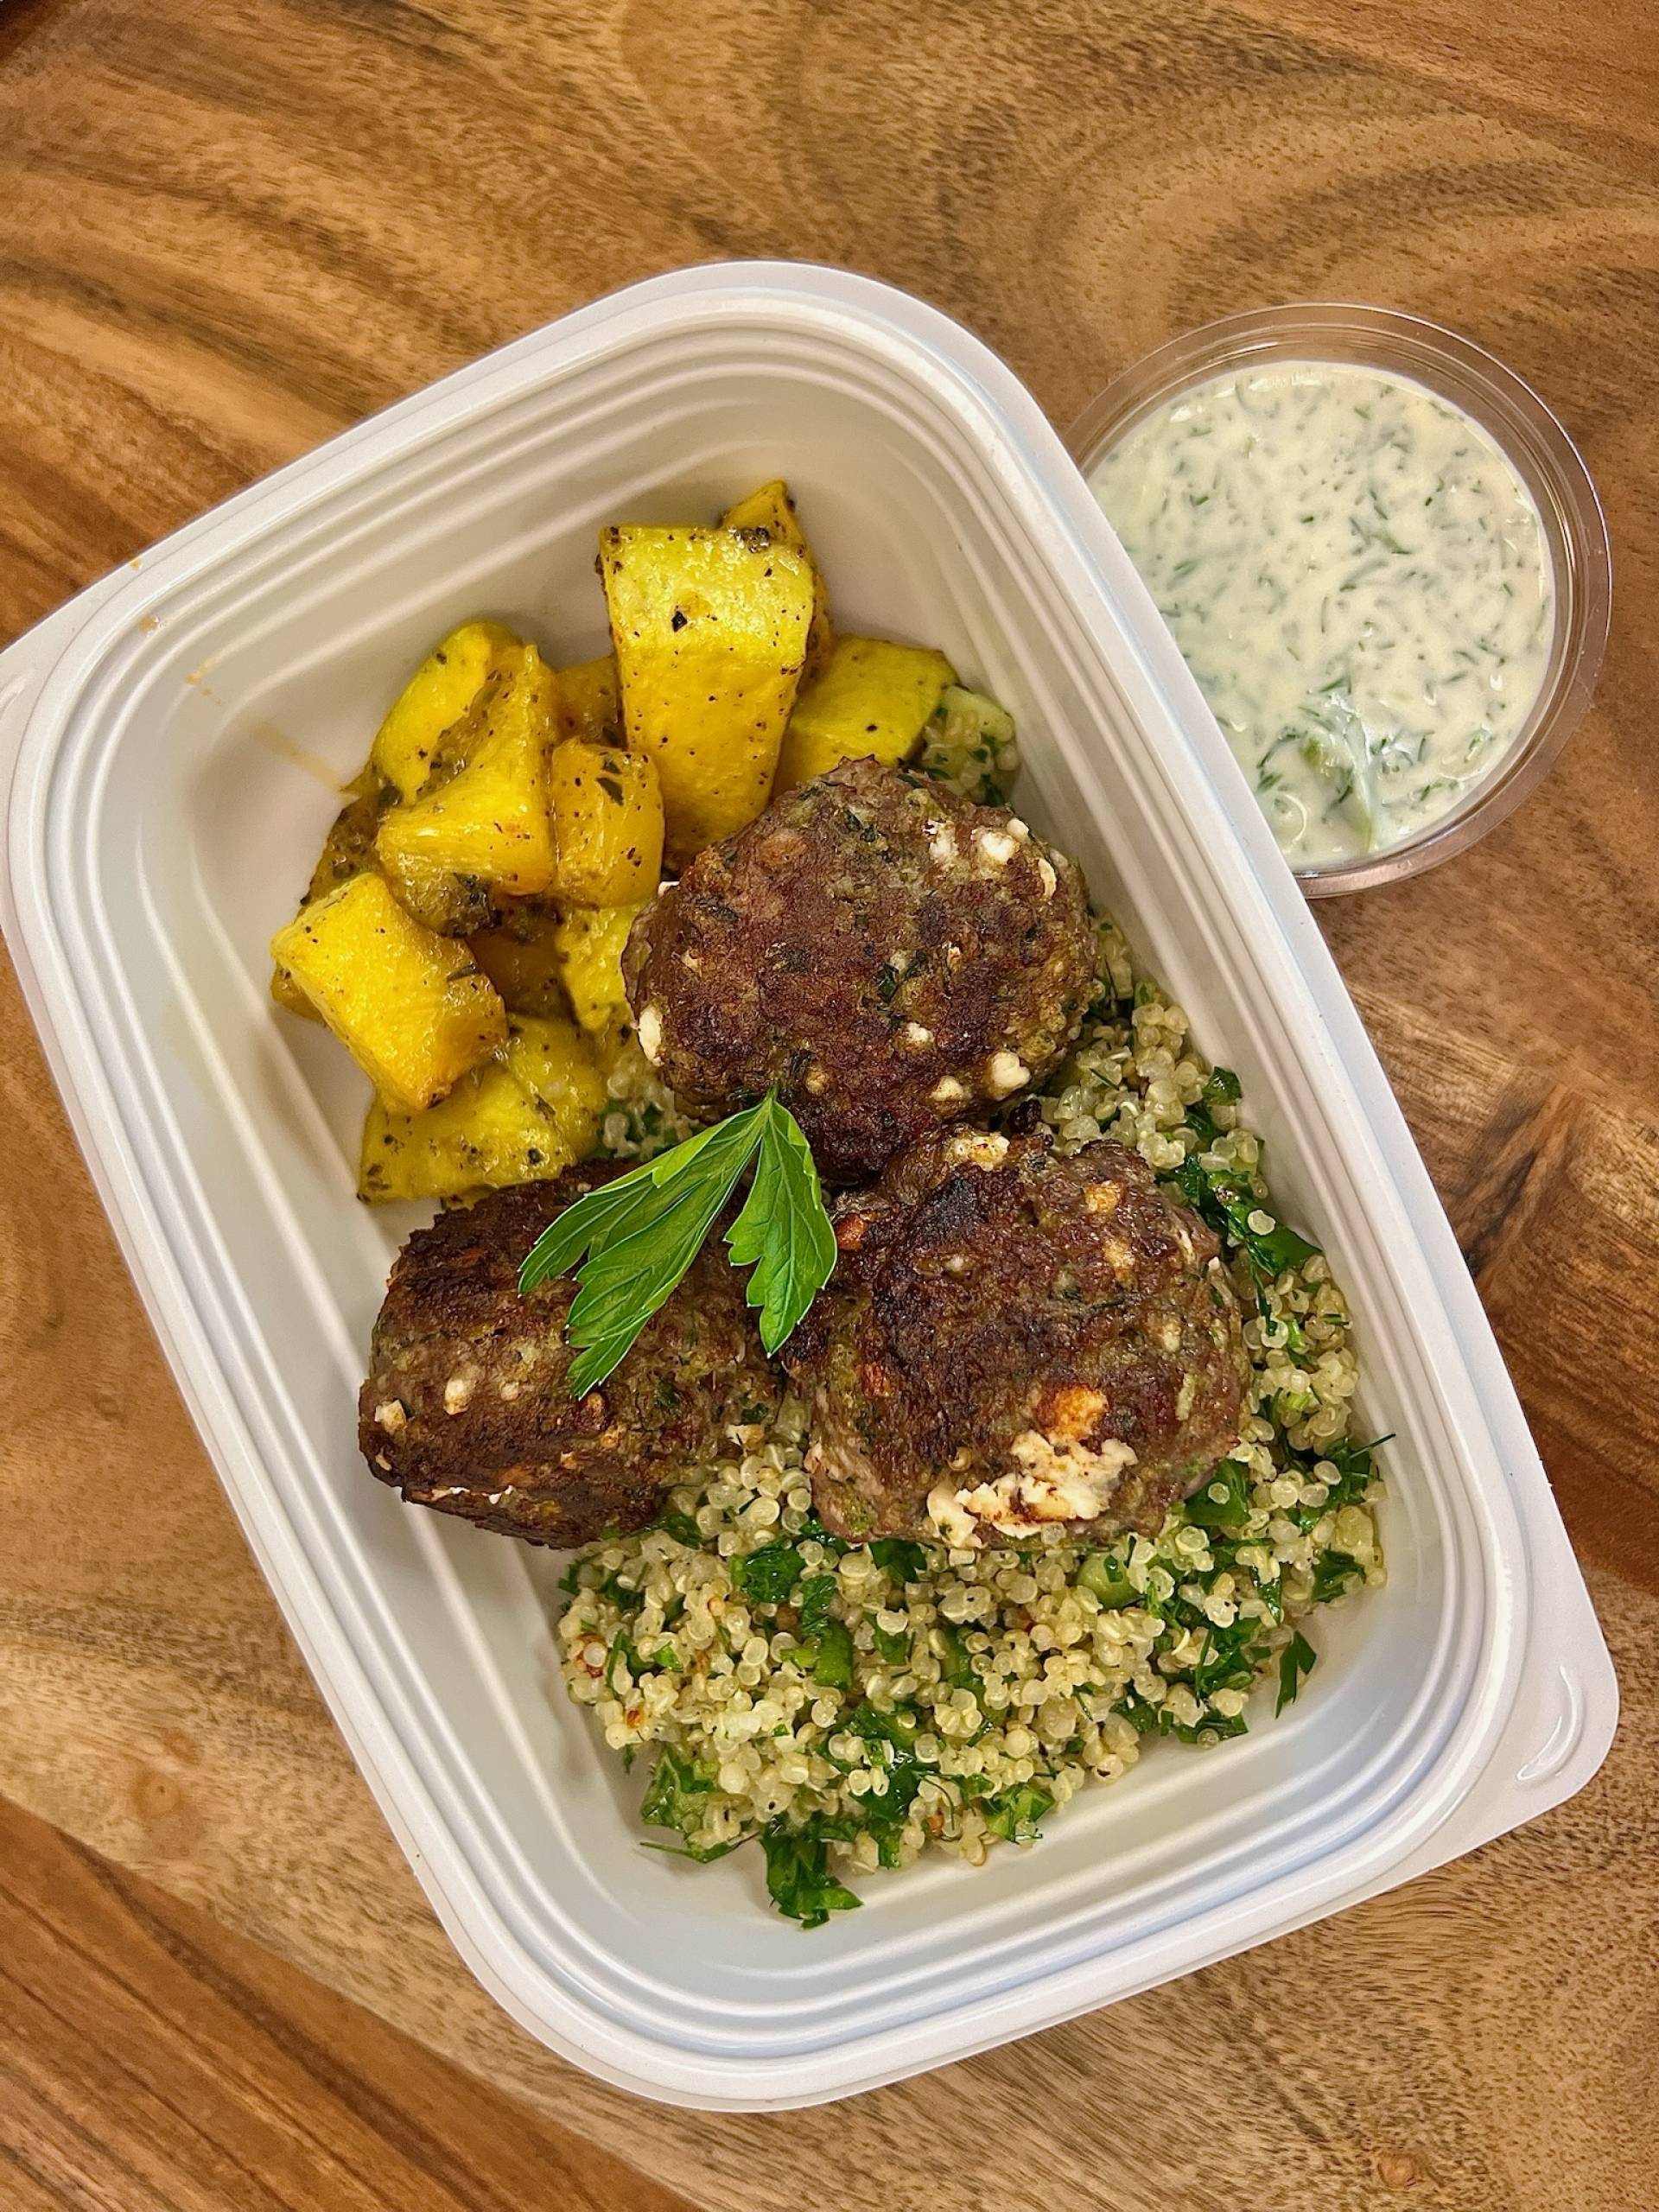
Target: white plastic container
[175, 733]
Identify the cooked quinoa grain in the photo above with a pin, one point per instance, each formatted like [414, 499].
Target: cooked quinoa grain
[848, 1706]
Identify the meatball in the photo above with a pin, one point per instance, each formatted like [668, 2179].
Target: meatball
[466, 1407]
[1012, 1340]
[888, 955]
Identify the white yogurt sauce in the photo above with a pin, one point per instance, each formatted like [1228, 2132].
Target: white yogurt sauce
[1359, 582]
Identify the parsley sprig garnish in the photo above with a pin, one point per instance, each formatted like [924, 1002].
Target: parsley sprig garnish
[642, 1232]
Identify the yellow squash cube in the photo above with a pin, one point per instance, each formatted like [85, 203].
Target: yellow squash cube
[288, 995]
[710, 630]
[524, 1118]
[590, 704]
[346, 851]
[771, 509]
[521, 957]
[485, 831]
[873, 696]
[607, 825]
[588, 942]
[410, 740]
[410, 1007]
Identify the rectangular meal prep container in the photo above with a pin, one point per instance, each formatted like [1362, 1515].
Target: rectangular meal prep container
[172, 739]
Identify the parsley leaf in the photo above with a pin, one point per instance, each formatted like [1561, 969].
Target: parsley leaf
[631, 1241]
[1014, 1814]
[813, 1600]
[1225, 1200]
[957, 1666]
[1210, 1728]
[1335, 1571]
[1108, 1578]
[1231, 1507]
[813, 1531]
[799, 1881]
[897, 1556]
[1223, 1088]
[833, 1664]
[1354, 1470]
[783, 1231]
[896, 1728]
[674, 1796]
[767, 1576]
[621, 1649]
[1298, 1658]
[1228, 1660]
[699, 1854]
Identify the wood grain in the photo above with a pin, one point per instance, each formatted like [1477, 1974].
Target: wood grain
[152, 2062]
[228, 227]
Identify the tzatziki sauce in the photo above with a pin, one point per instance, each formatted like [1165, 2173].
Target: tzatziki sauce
[1357, 578]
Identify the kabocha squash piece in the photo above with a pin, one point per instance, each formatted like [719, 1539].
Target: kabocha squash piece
[524, 1118]
[710, 629]
[587, 943]
[521, 957]
[288, 995]
[552, 1060]
[346, 851]
[410, 1007]
[485, 831]
[607, 825]
[590, 704]
[409, 742]
[873, 696]
[771, 509]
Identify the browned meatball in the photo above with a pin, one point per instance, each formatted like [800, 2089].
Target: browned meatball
[1012, 1340]
[466, 1407]
[888, 955]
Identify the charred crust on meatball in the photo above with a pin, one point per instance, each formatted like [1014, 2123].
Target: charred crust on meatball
[1014, 1340]
[467, 1408]
[886, 954]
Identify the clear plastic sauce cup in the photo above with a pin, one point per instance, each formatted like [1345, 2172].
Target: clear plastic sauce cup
[1530, 438]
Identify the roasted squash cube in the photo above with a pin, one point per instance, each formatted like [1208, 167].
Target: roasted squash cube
[552, 1060]
[588, 941]
[410, 1007]
[521, 957]
[590, 704]
[525, 1116]
[288, 995]
[873, 697]
[484, 831]
[771, 509]
[409, 744]
[346, 851]
[710, 628]
[607, 825]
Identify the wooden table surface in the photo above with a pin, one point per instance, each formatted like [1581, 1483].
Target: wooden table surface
[230, 227]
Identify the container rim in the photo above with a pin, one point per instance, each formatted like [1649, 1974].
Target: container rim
[1533, 440]
[49, 676]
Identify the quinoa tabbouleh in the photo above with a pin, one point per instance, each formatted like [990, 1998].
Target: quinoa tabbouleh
[850, 1706]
